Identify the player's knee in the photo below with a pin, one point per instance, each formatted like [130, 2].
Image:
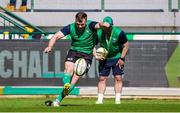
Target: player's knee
[118, 78]
[103, 79]
[69, 69]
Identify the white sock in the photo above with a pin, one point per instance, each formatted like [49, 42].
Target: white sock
[100, 97]
[57, 100]
[117, 97]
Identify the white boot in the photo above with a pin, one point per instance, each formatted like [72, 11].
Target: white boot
[117, 102]
[56, 104]
[99, 102]
[100, 98]
[118, 98]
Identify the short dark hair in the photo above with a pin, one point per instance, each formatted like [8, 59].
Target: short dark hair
[80, 16]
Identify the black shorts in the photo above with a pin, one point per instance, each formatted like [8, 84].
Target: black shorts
[72, 56]
[105, 67]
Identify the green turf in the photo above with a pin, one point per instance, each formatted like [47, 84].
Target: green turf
[87, 105]
[173, 68]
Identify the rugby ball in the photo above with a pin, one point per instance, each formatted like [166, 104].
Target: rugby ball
[101, 53]
[80, 66]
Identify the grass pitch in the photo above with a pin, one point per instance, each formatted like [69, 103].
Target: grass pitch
[173, 68]
[88, 105]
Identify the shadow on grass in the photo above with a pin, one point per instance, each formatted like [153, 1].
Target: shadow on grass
[65, 105]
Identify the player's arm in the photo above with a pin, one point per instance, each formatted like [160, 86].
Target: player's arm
[102, 25]
[60, 34]
[94, 51]
[96, 25]
[125, 49]
[125, 43]
[52, 41]
[92, 26]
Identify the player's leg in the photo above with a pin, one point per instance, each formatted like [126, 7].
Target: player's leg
[74, 80]
[11, 6]
[69, 66]
[66, 78]
[70, 69]
[24, 2]
[68, 87]
[76, 56]
[12, 2]
[104, 71]
[75, 77]
[69, 76]
[61, 96]
[23, 6]
[101, 89]
[118, 81]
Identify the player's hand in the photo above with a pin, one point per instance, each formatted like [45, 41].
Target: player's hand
[48, 49]
[104, 24]
[120, 63]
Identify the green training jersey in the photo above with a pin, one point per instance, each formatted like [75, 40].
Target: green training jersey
[82, 41]
[112, 43]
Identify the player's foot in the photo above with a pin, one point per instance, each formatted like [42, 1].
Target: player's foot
[10, 7]
[23, 8]
[66, 88]
[55, 104]
[98, 102]
[117, 102]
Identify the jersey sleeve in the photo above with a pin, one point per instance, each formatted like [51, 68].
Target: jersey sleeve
[92, 25]
[122, 38]
[66, 30]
